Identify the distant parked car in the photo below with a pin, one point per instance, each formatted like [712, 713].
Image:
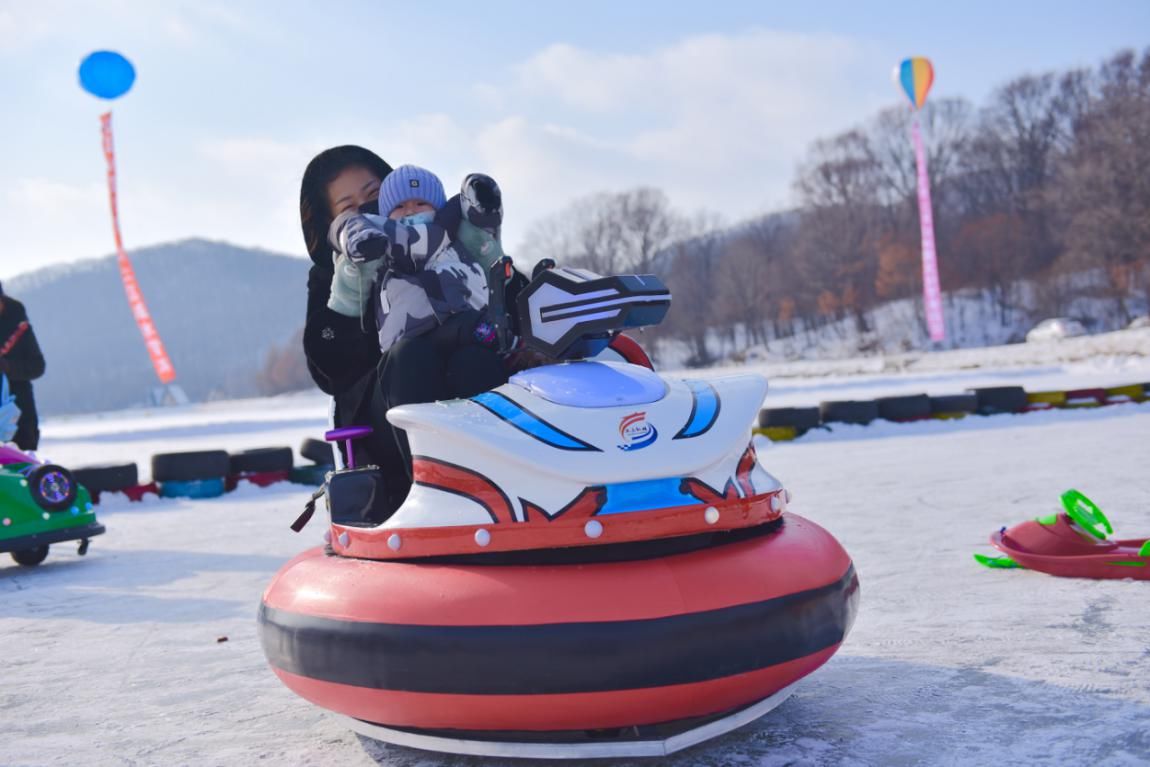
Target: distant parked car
[1055, 329]
[1139, 322]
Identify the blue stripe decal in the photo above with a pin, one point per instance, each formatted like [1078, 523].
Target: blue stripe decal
[705, 406]
[529, 423]
[645, 495]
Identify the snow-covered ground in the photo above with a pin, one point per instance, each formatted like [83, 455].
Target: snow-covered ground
[119, 658]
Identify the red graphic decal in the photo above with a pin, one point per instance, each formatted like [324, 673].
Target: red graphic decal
[707, 494]
[627, 420]
[743, 472]
[585, 505]
[469, 484]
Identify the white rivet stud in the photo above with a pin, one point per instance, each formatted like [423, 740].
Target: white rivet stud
[327, 536]
[593, 529]
[394, 542]
[7, 521]
[47, 515]
[776, 504]
[23, 483]
[711, 515]
[482, 537]
[344, 539]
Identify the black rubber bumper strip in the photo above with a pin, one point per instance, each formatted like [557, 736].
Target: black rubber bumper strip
[559, 658]
[36, 540]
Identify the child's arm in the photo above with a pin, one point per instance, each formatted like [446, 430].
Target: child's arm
[402, 247]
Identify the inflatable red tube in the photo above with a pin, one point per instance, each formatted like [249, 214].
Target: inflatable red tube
[552, 648]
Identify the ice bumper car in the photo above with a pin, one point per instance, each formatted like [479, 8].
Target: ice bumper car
[591, 562]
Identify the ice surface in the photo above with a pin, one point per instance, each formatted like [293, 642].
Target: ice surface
[115, 658]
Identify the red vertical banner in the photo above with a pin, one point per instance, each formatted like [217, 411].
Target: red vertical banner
[165, 371]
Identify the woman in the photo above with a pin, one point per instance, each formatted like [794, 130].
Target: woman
[340, 336]
[342, 350]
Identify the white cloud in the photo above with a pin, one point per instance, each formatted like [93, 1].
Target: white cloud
[719, 122]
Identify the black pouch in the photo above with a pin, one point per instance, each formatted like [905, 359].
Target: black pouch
[358, 497]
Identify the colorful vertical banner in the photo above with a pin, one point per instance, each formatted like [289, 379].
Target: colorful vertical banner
[165, 371]
[108, 75]
[915, 76]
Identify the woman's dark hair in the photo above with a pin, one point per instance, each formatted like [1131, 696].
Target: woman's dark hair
[314, 207]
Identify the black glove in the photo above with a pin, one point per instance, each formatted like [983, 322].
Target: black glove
[481, 201]
[359, 237]
[450, 216]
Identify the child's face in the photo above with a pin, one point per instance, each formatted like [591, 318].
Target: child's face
[410, 208]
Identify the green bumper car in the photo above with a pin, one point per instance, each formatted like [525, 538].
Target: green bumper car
[41, 504]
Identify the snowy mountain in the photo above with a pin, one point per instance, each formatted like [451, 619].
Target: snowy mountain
[218, 308]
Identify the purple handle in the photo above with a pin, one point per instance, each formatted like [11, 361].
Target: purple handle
[348, 433]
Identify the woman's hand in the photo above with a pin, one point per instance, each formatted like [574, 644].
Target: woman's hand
[351, 285]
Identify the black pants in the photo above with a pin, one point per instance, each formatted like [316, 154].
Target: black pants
[444, 363]
[27, 435]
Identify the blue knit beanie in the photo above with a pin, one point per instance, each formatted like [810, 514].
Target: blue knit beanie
[410, 182]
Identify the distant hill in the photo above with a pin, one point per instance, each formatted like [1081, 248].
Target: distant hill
[219, 309]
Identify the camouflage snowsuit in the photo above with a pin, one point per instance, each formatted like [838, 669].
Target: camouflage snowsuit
[425, 279]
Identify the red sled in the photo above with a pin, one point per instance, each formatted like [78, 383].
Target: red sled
[1072, 544]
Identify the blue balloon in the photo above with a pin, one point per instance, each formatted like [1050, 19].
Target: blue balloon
[106, 74]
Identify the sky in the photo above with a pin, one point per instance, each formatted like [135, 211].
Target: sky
[714, 103]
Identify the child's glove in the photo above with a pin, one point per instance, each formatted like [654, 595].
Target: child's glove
[357, 235]
[481, 201]
[480, 244]
[351, 285]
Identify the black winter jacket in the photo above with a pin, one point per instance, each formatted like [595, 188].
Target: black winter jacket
[342, 352]
[25, 361]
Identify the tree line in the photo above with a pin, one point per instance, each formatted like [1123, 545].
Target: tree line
[1041, 200]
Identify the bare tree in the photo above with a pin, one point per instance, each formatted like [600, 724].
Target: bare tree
[1103, 187]
[609, 233]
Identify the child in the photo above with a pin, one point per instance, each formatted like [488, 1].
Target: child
[435, 340]
[426, 277]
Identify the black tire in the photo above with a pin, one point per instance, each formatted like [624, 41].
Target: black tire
[317, 451]
[52, 487]
[190, 467]
[954, 403]
[801, 418]
[261, 460]
[31, 557]
[1001, 399]
[108, 478]
[907, 407]
[848, 411]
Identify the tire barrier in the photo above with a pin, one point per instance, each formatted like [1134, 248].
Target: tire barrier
[196, 474]
[951, 406]
[911, 407]
[787, 423]
[317, 451]
[209, 473]
[848, 411]
[114, 478]
[261, 466]
[1001, 399]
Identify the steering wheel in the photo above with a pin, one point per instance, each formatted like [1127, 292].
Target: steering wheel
[1087, 514]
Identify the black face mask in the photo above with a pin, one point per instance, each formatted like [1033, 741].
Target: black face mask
[371, 206]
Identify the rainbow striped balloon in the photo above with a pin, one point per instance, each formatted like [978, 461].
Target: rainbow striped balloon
[915, 76]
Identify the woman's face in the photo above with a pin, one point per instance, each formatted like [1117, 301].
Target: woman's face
[352, 188]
